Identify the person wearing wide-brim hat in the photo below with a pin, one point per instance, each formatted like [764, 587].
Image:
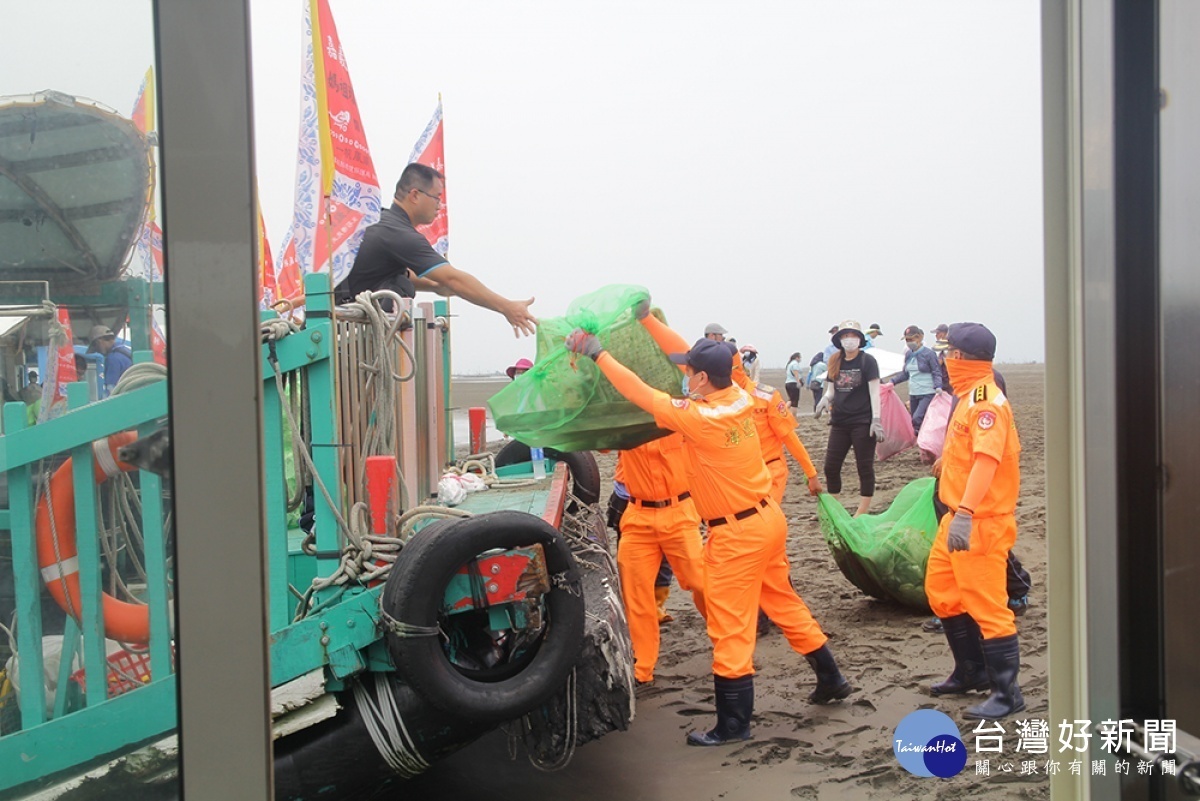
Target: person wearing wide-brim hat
[521, 366]
[117, 358]
[852, 396]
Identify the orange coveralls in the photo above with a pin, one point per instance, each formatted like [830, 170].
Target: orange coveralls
[656, 523]
[973, 581]
[777, 430]
[745, 561]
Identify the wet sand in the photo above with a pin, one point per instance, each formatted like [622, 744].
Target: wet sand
[842, 751]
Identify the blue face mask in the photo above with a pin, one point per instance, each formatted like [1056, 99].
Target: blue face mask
[685, 386]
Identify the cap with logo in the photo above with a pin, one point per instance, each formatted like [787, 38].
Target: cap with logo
[714, 358]
[913, 331]
[974, 339]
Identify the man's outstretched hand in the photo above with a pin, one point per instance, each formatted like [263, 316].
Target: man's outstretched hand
[518, 316]
[580, 341]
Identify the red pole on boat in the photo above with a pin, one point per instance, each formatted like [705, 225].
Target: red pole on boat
[381, 492]
[477, 418]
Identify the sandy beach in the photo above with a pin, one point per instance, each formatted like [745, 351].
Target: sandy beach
[800, 751]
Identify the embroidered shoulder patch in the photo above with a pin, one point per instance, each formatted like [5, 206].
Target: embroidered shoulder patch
[782, 409]
[679, 403]
[986, 420]
[980, 393]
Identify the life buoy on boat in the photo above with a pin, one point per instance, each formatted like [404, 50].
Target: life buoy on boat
[414, 596]
[124, 622]
[585, 473]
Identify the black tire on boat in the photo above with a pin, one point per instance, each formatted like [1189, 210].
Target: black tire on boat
[584, 470]
[413, 595]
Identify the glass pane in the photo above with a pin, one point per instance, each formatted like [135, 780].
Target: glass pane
[85, 541]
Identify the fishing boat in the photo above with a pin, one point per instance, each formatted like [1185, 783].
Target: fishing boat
[402, 628]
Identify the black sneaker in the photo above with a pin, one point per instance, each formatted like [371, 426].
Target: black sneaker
[933, 624]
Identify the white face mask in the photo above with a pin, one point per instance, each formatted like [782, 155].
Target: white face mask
[850, 344]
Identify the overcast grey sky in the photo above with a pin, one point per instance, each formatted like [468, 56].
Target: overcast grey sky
[775, 166]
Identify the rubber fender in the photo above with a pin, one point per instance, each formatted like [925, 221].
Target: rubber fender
[414, 595]
[585, 473]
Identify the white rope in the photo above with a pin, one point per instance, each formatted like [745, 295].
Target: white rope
[58, 337]
[402, 629]
[484, 465]
[386, 728]
[58, 560]
[570, 736]
[380, 385]
[104, 458]
[139, 375]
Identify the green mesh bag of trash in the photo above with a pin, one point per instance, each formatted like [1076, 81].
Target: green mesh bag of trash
[564, 401]
[884, 555]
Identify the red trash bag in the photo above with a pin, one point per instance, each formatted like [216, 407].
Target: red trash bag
[933, 428]
[897, 424]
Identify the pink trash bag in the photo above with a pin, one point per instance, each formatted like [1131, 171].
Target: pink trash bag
[933, 427]
[897, 424]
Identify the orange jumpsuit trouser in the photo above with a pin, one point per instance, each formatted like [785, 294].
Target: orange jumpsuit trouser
[646, 536]
[974, 581]
[746, 567]
[779, 476]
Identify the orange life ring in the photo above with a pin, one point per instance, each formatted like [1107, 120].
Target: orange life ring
[124, 622]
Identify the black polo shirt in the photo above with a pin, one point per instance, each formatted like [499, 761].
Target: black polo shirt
[389, 249]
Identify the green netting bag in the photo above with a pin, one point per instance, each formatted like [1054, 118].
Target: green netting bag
[884, 555]
[564, 401]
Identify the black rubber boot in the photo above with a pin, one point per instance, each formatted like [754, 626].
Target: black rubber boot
[1003, 657]
[970, 673]
[831, 685]
[735, 705]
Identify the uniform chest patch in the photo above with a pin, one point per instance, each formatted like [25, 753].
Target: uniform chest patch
[986, 420]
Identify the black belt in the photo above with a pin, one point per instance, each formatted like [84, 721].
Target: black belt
[742, 515]
[683, 496]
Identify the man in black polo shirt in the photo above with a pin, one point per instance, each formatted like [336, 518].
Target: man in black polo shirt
[395, 255]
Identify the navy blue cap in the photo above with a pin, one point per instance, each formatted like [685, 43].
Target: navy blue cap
[973, 338]
[708, 356]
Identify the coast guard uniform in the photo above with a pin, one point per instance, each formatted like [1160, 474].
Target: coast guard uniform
[745, 561]
[966, 576]
[660, 520]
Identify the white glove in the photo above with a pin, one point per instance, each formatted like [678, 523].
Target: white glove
[877, 430]
[823, 404]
